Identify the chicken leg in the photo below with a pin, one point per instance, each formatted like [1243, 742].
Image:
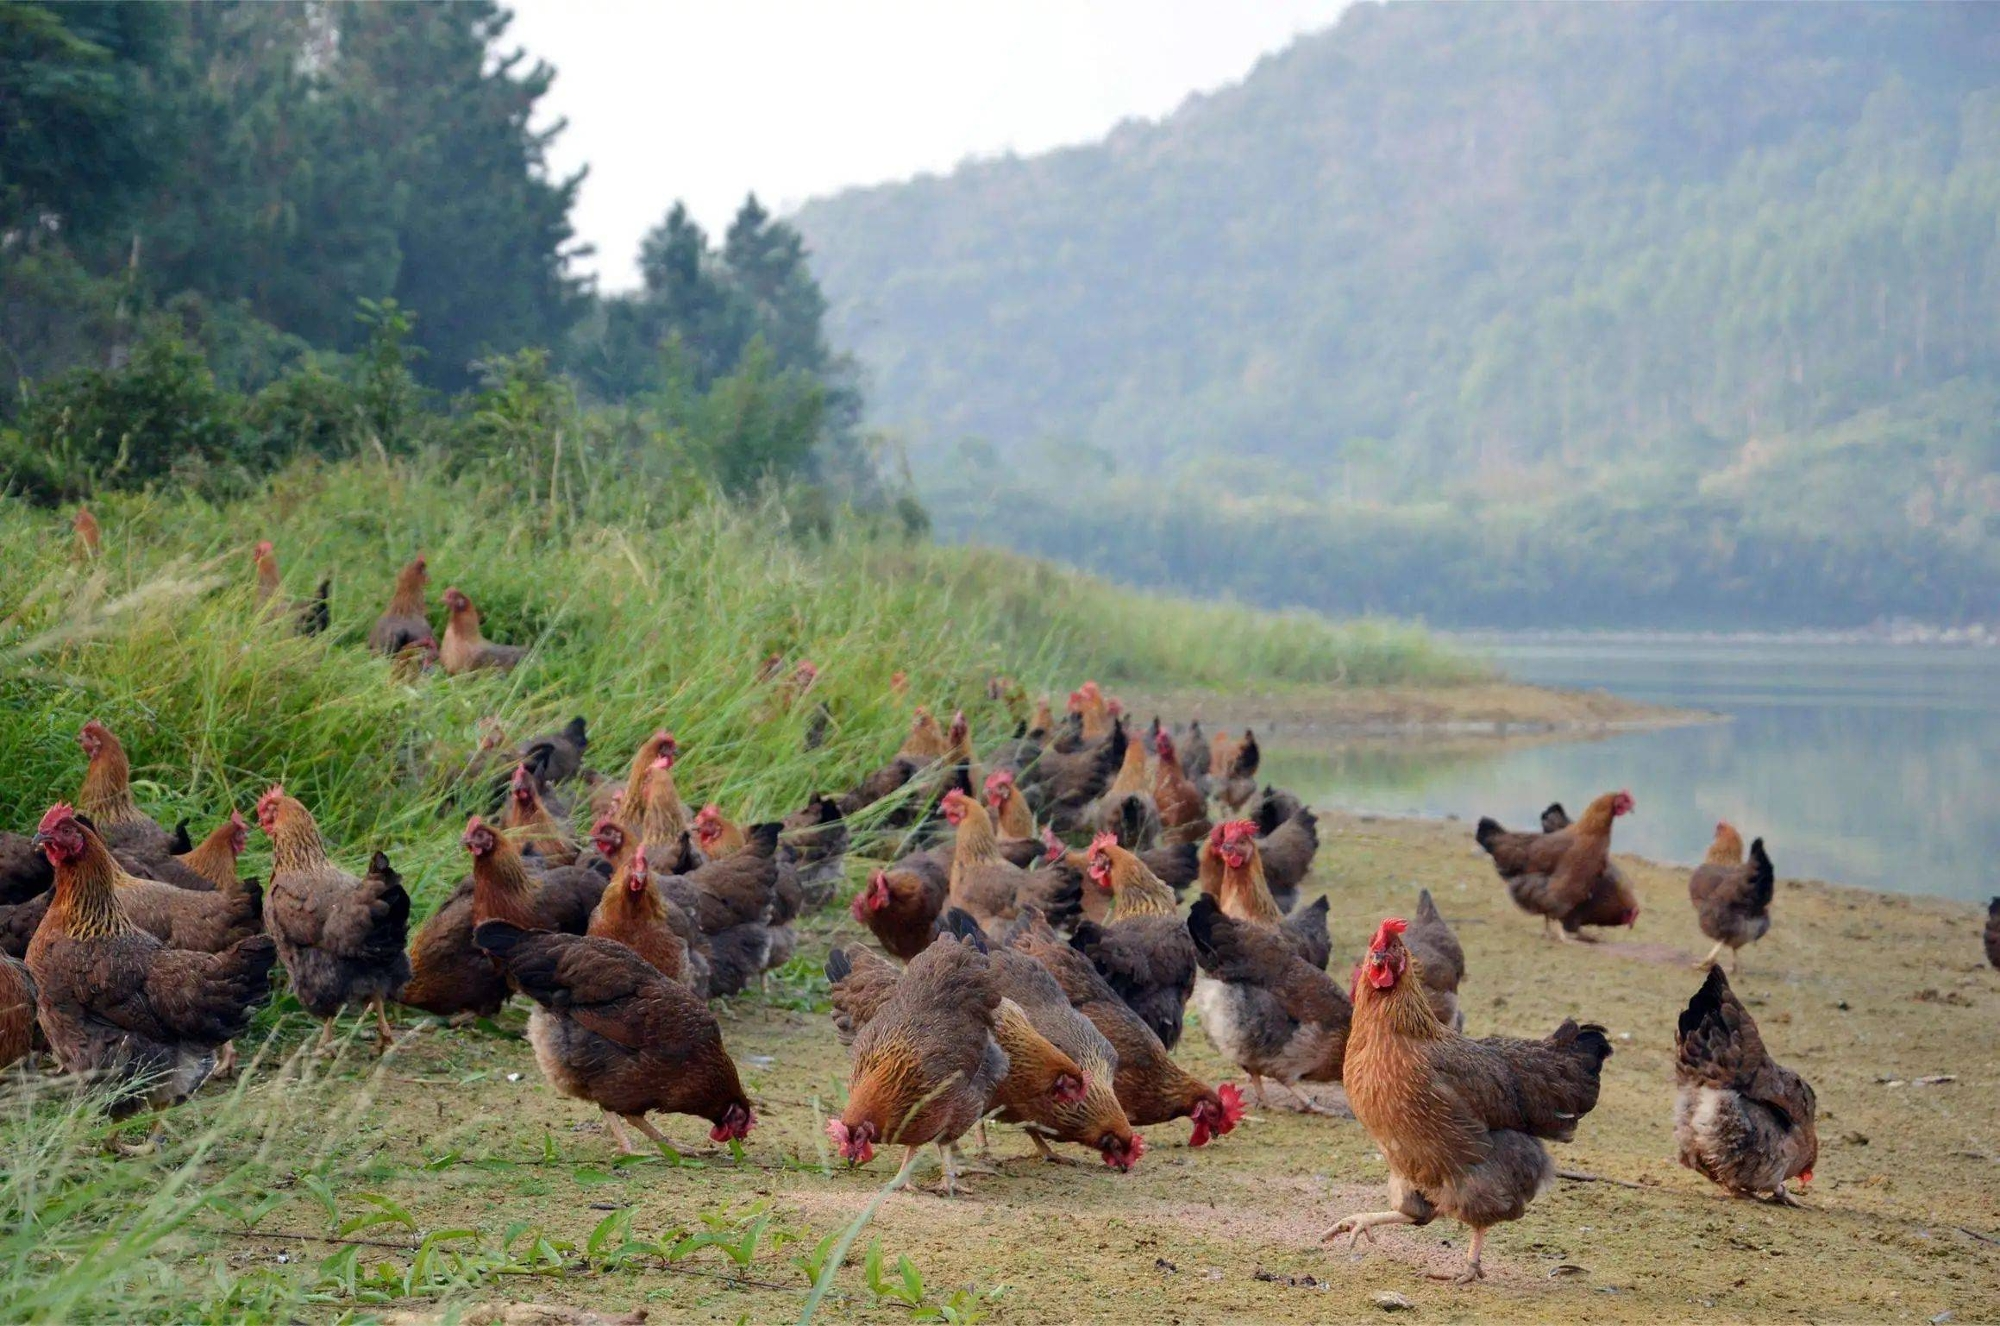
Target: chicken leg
[1713, 954]
[1047, 1152]
[658, 1138]
[325, 1038]
[156, 1138]
[385, 1033]
[1472, 1269]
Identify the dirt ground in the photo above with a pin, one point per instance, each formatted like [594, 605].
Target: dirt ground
[1867, 995]
[1299, 716]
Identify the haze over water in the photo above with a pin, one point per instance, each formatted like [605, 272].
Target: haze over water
[1860, 764]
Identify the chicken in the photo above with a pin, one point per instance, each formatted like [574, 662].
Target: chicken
[926, 1063]
[989, 887]
[901, 907]
[1151, 1087]
[117, 1005]
[1272, 807]
[1440, 960]
[1233, 769]
[1732, 897]
[660, 744]
[341, 937]
[24, 872]
[926, 741]
[736, 903]
[1993, 932]
[817, 838]
[1611, 900]
[1194, 755]
[1089, 704]
[1011, 817]
[1084, 1109]
[1741, 1119]
[528, 821]
[1182, 806]
[557, 757]
[17, 1011]
[466, 650]
[213, 859]
[106, 797]
[309, 618]
[449, 975]
[1143, 951]
[405, 623]
[1550, 875]
[1239, 889]
[1460, 1121]
[609, 1029]
[1263, 1007]
[1127, 808]
[715, 833]
[1554, 818]
[89, 536]
[19, 920]
[635, 914]
[657, 811]
[208, 921]
[1286, 847]
[1061, 784]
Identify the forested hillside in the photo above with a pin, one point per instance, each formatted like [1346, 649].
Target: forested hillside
[232, 233]
[1665, 315]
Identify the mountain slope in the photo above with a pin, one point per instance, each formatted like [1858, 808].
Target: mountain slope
[1464, 304]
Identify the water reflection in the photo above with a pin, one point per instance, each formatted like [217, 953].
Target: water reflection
[1868, 765]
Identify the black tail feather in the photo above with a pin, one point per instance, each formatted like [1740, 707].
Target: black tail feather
[838, 965]
[960, 923]
[1488, 830]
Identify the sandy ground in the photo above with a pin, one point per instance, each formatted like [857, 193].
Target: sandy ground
[1863, 993]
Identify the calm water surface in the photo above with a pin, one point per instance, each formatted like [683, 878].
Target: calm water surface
[1876, 765]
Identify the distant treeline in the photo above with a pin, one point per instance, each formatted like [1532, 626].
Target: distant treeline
[232, 232]
[1497, 313]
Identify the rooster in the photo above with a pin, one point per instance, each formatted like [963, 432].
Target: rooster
[341, 937]
[927, 1063]
[466, 650]
[1732, 897]
[405, 623]
[117, 1004]
[1741, 1119]
[1461, 1122]
[609, 1029]
[1551, 875]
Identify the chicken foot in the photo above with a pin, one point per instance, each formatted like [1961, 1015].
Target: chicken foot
[1363, 1223]
[653, 1134]
[225, 1061]
[1047, 1152]
[1779, 1197]
[385, 1034]
[1713, 954]
[1472, 1270]
[156, 1138]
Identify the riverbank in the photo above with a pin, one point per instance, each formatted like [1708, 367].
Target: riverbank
[1305, 715]
[1873, 998]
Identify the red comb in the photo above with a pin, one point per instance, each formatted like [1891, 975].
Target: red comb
[57, 813]
[1103, 842]
[1388, 930]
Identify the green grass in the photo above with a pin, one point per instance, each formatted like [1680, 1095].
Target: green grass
[644, 607]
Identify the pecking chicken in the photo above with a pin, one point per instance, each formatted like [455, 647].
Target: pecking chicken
[17, 1011]
[926, 1063]
[106, 798]
[1143, 950]
[1552, 875]
[609, 1029]
[312, 617]
[1151, 1087]
[1265, 1008]
[1460, 1121]
[1731, 896]
[1741, 1119]
[1440, 960]
[341, 937]
[118, 1005]
[1084, 1109]
[466, 650]
[405, 624]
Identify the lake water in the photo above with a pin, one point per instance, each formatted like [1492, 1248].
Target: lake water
[1876, 765]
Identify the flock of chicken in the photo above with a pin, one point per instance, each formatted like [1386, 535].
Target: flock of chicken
[1019, 978]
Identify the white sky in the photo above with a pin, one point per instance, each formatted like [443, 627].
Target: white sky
[797, 98]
